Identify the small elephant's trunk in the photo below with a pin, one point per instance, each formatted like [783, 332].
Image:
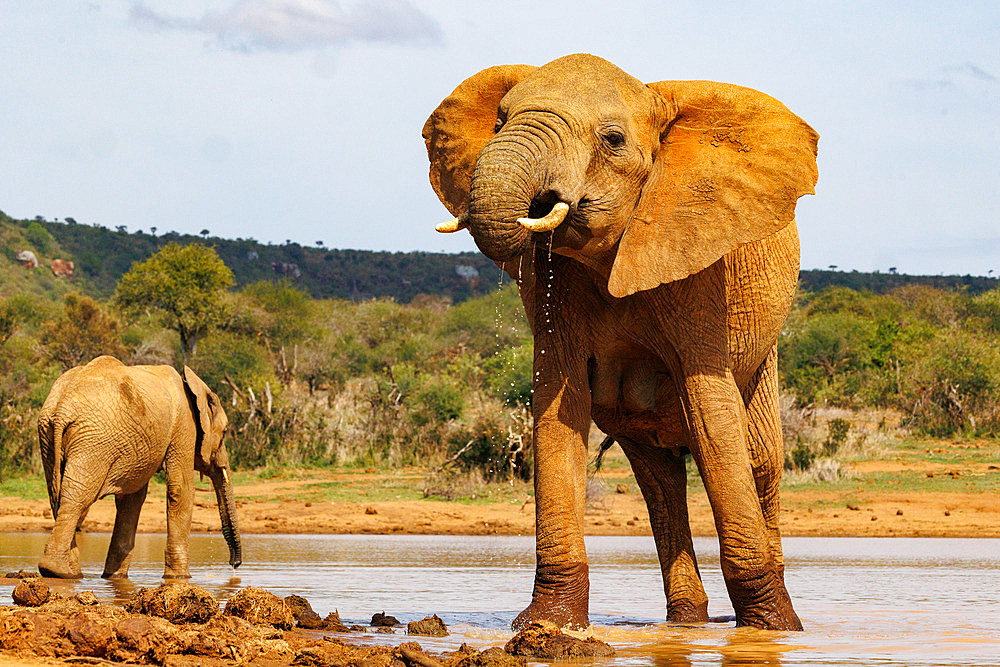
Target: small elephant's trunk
[227, 514]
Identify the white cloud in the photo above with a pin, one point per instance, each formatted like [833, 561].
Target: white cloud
[296, 25]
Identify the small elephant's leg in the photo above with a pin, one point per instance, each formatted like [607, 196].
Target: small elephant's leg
[662, 477]
[61, 558]
[127, 508]
[180, 490]
[767, 450]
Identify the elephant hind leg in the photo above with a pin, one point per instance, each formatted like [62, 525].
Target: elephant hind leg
[662, 478]
[127, 508]
[764, 441]
[61, 558]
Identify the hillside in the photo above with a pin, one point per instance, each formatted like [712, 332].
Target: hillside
[103, 255]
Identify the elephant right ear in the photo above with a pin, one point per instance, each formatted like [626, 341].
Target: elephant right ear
[460, 127]
[732, 164]
[199, 391]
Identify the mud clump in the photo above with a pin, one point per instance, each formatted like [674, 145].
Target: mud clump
[545, 640]
[31, 593]
[22, 574]
[86, 598]
[333, 623]
[260, 608]
[381, 620]
[304, 614]
[491, 657]
[430, 626]
[178, 603]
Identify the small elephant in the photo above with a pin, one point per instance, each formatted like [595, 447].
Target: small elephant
[106, 428]
[650, 229]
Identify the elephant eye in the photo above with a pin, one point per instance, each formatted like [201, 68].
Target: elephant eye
[614, 138]
[497, 125]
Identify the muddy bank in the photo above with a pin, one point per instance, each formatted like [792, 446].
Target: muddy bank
[182, 624]
[805, 513]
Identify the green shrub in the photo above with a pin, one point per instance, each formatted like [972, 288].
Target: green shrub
[508, 374]
[801, 457]
[441, 399]
[39, 237]
[837, 430]
[496, 443]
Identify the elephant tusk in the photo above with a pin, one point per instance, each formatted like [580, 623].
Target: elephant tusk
[549, 222]
[225, 475]
[454, 225]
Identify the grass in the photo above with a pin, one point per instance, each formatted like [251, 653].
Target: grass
[31, 487]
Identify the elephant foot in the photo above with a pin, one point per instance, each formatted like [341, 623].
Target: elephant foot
[56, 568]
[564, 613]
[774, 614]
[688, 612]
[115, 575]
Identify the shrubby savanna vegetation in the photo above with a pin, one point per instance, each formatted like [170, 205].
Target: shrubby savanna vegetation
[442, 379]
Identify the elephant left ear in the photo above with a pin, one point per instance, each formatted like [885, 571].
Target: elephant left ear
[731, 165]
[202, 395]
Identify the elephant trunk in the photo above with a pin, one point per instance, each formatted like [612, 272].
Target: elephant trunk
[227, 513]
[506, 186]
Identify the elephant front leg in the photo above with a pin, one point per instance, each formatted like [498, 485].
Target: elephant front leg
[562, 584]
[180, 491]
[662, 477]
[752, 572]
[127, 508]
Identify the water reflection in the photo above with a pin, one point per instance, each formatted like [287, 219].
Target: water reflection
[863, 601]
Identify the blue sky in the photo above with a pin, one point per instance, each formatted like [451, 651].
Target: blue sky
[300, 119]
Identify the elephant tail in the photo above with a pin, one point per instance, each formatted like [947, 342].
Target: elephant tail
[50, 437]
[605, 445]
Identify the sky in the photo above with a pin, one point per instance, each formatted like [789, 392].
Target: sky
[301, 119]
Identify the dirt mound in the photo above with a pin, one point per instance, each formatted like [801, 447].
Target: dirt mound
[260, 607]
[30, 593]
[68, 629]
[545, 640]
[381, 620]
[430, 626]
[304, 614]
[22, 574]
[491, 657]
[333, 623]
[178, 603]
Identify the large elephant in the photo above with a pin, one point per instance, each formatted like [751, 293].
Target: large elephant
[106, 428]
[650, 229]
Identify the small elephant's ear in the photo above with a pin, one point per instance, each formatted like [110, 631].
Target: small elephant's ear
[460, 127]
[202, 395]
[731, 165]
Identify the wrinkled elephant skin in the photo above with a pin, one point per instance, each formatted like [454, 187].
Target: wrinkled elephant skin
[650, 229]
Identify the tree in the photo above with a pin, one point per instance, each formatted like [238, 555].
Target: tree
[185, 285]
[83, 332]
[204, 233]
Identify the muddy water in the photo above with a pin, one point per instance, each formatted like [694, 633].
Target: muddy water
[887, 601]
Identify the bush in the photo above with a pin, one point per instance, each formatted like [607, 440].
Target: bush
[508, 374]
[441, 399]
[837, 435]
[84, 331]
[497, 443]
[953, 385]
[800, 458]
[39, 237]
